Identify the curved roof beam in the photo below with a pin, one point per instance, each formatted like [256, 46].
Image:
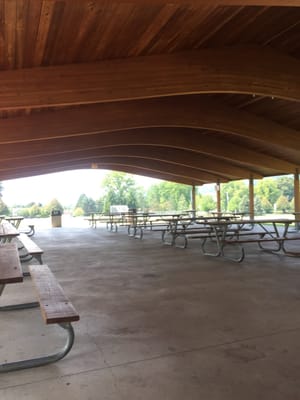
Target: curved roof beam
[150, 164]
[212, 166]
[218, 2]
[261, 71]
[174, 138]
[169, 112]
[112, 164]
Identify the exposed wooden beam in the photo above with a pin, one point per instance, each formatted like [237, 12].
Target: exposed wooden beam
[183, 111]
[187, 139]
[166, 176]
[146, 163]
[211, 165]
[267, 3]
[116, 166]
[260, 71]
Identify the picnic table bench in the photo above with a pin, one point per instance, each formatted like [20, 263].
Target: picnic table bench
[146, 223]
[7, 232]
[55, 306]
[31, 248]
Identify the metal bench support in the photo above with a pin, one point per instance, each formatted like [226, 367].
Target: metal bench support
[21, 306]
[40, 361]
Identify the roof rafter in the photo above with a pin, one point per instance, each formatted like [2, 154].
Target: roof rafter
[173, 138]
[209, 164]
[117, 165]
[269, 3]
[169, 112]
[217, 70]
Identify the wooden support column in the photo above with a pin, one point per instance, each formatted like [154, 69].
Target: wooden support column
[251, 197]
[297, 198]
[194, 200]
[218, 193]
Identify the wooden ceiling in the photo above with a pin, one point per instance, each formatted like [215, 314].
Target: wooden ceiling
[188, 91]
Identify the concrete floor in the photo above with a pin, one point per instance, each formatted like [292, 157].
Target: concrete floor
[158, 323]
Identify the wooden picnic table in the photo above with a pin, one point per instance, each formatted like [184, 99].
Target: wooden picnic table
[11, 271]
[7, 232]
[15, 221]
[238, 232]
[56, 308]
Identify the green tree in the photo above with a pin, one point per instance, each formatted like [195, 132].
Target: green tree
[78, 212]
[4, 210]
[282, 204]
[207, 203]
[99, 205]
[54, 204]
[121, 189]
[266, 206]
[285, 185]
[169, 196]
[268, 189]
[234, 196]
[87, 204]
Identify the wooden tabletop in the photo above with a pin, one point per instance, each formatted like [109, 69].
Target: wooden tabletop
[7, 230]
[10, 267]
[251, 221]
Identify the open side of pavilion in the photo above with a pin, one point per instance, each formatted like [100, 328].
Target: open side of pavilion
[158, 322]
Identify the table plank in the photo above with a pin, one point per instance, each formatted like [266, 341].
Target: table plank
[10, 267]
[55, 306]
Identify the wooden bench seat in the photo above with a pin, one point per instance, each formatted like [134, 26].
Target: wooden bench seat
[11, 272]
[185, 233]
[205, 234]
[93, 221]
[56, 308]
[280, 245]
[10, 267]
[33, 250]
[158, 227]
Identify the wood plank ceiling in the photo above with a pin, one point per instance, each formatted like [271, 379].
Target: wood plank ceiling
[188, 91]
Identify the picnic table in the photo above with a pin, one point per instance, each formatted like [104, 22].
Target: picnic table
[7, 232]
[55, 306]
[238, 232]
[15, 221]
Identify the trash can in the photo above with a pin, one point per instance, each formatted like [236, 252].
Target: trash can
[56, 218]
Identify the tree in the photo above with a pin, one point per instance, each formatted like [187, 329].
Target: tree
[54, 204]
[285, 184]
[87, 204]
[169, 196]
[268, 189]
[234, 196]
[78, 212]
[207, 203]
[282, 204]
[266, 206]
[121, 189]
[4, 210]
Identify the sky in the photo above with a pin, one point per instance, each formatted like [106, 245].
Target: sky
[66, 187]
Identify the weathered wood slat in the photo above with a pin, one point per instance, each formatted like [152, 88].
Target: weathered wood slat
[31, 247]
[55, 306]
[8, 230]
[10, 267]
